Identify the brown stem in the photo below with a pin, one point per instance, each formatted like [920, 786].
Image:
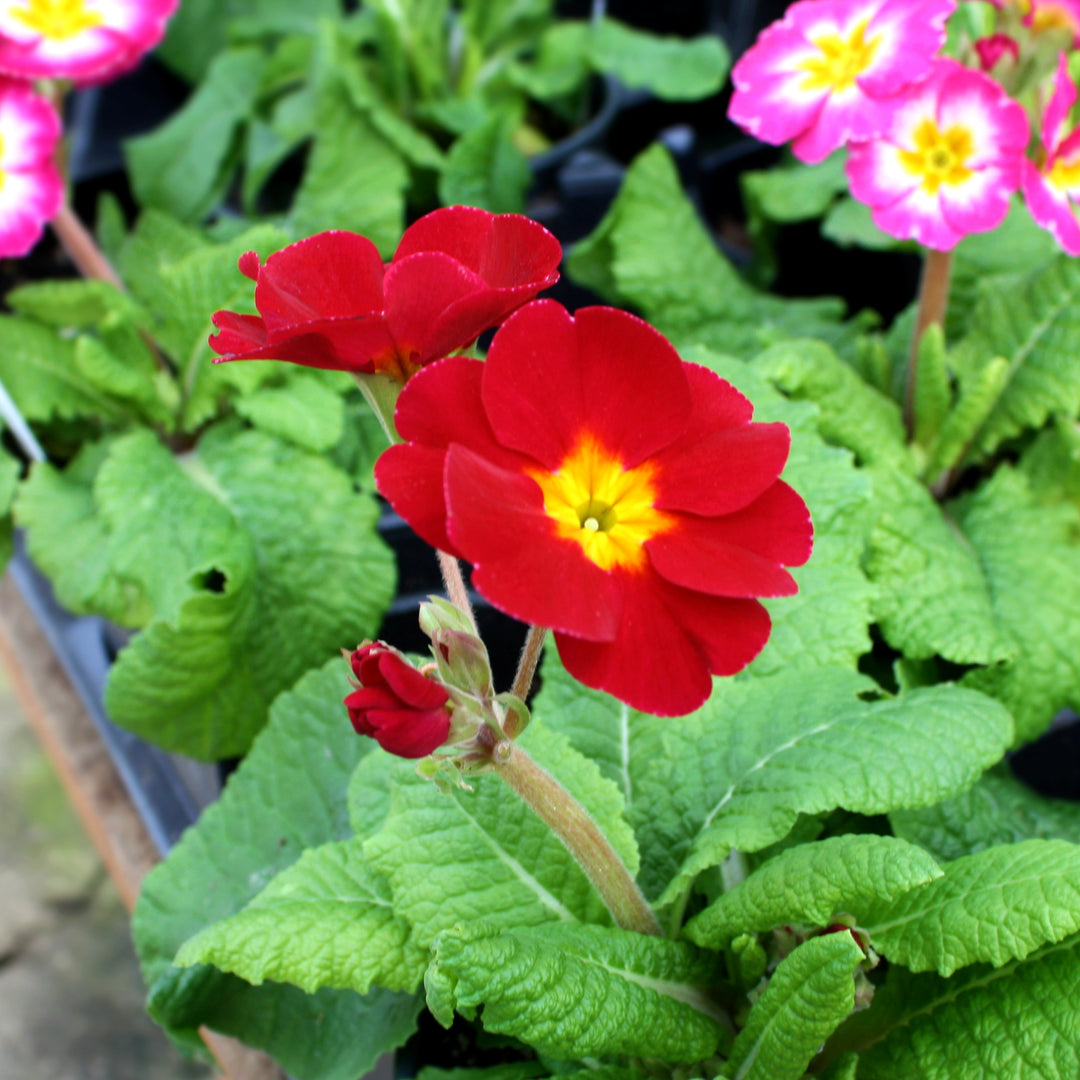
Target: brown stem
[530, 657]
[571, 823]
[455, 585]
[933, 301]
[82, 248]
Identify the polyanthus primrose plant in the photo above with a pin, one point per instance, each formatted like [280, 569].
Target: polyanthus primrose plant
[671, 862]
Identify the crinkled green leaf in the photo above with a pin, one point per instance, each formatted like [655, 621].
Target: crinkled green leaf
[674, 69]
[997, 905]
[934, 597]
[301, 406]
[811, 992]
[484, 168]
[182, 167]
[81, 304]
[328, 920]
[307, 575]
[464, 855]
[793, 191]
[579, 991]
[1015, 1022]
[1032, 320]
[814, 883]
[739, 771]
[1030, 553]
[9, 479]
[287, 796]
[933, 398]
[511, 1070]
[999, 809]
[653, 253]
[151, 393]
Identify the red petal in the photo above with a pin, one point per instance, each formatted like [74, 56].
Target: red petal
[441, 404]
[730, 632]
[550, 378]
[355, 344]
[497, 519]
[409, 685]
[459, 231]
[237, 333]
[652, 665]
[410, 476]
[249, 265]
[311, 350]
[697, 556]
[329, 275]
[410, 734]
[777, 526]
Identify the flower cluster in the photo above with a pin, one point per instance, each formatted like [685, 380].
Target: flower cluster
[599, 486]
[87, 41]
[937, 144]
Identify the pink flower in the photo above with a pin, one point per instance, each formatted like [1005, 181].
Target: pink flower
[30, 187]
[1052, 189]
[992, 49]
[948, 162]
[818, 75]
[86, 40]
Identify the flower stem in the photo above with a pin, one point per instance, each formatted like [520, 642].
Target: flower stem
[530, 657]
[381, 393]
[571, 823]
[455, 586]
[933, 301]
[82, 248]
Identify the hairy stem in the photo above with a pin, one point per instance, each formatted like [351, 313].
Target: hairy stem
[933, 301]
[455, 586]
[530, 657]
[571, 823]
[82, 248]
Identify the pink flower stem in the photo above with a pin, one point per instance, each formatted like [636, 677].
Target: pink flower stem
[581, 836]
[82, 249]
[933, 302]
[530, 657]
[455, 586]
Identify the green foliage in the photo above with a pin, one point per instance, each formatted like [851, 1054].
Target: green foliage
[813, 884]
[9, 478]
[484, 168]
[808, 996]
[286, 797]
[579, 991]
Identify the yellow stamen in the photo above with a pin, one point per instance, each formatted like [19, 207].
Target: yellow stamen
[939, 156]
[841, 61]
[608, 509]
[1065, 175]
[57, 20]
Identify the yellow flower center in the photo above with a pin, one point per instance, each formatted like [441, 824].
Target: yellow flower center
[604, 507]
[841, 61]
[57, 20]
[939, 156]
[1049, 16]
[1065, 174]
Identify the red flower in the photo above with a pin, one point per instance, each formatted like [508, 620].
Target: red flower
[395, 705]
[605, 489]
[329, 302]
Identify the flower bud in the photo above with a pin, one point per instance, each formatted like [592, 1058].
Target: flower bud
[460, 654]
[993, 49]
[404, 712]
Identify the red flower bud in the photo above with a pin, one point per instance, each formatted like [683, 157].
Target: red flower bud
[991, 49]
[405, 713]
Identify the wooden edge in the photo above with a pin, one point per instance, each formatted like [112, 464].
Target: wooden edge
[70, 739]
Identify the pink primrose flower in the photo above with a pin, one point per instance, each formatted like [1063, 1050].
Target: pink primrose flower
[1052, 189]
[85, 40]
[817, 75]
[948, 162]
[30, 187]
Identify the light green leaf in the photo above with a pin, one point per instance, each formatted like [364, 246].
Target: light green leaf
[461, 855]
[933, 387]
[182, 166]
[793, 191]
[9, 479]
[999, 809]
[674, 69]
[125, 376]
[511, 1070]
[484, 168]
[850, 223]
[301, 406]
[287, 796]
[1016, 1022]
[308, 575]
[560, 64]
[739, 771]
[811, 992]
[997, 905]
[79, 304]
[574, 992]
[812, 884]
[327, 920]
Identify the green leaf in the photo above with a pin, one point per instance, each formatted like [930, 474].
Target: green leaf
[739, 771]
[933, 388]
[459, 856]
[934, 597]
[793, 191]
[997, 905]
[560, 64]
[127, 377]
[653, 253]
[484, 168]
[580, 991]
[1016, 1022]
[850, 223]
[1032, 321]
[79, 304]
[287, 796]
[182, 167]
[288, 597]
[511, 1070]
[9, 480]
[674, 69]
[999, 809]
[811, 992]
[328, 920]
[302, 406]
[812, 884]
